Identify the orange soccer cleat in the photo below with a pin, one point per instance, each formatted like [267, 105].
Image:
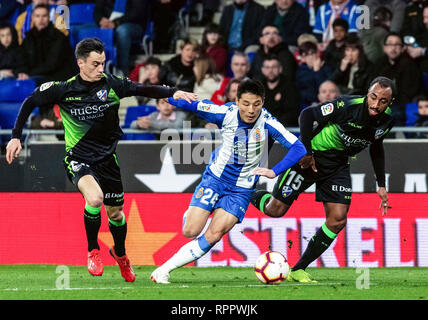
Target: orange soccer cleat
[125, 266]
[95, 264]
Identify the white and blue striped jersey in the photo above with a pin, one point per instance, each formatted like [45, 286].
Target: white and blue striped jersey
[245, 146]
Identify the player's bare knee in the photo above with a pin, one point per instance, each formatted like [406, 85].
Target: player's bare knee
[115, 214]
[336, 225]
[189, 232]
[276, 209]
[95, 201]
[213, 236]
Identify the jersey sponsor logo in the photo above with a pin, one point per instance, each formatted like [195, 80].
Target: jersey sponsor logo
[46, 85]
[113, 195]
[89, 112]
[335, 187]
[102, 95]
[286, 191]
[327, 109]
[349, 141]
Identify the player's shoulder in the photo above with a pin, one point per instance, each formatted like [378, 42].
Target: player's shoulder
[50, 86]
[209, 106]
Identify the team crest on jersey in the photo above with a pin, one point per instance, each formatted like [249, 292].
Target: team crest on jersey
[200, 193]
[379, 133]
[102, 95]
[327, 109]
[286, 191]
[46, 85]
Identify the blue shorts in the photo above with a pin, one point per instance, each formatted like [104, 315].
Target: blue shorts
[212, 193]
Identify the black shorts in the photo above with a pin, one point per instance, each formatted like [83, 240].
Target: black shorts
[106, 173]
[332, 185]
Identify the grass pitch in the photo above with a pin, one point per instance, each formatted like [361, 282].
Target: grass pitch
[40, 282]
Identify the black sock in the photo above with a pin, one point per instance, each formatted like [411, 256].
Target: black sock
[316, 247]
[259, 197]
[119, 235]
[92, 226]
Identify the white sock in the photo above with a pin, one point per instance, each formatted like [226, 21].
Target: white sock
[190, 252]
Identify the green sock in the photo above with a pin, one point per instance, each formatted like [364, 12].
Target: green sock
[316, 247]
[259, 198]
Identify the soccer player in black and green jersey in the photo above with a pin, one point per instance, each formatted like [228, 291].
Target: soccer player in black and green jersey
[89, 104]
[332, 132]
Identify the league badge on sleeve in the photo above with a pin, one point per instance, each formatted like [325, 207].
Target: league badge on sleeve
[327, 109]
[46, 85]
[102, 95]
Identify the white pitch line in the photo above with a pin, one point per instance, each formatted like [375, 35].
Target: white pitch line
[178, 287]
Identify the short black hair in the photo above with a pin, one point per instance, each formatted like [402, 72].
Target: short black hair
[393, 34]
[86, 46]
[384, 82]
[154, 61]
[339, 22]
[248, 85]
[43, 6]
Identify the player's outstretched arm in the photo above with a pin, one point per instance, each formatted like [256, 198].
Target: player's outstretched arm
[191, 106]
[377, 155]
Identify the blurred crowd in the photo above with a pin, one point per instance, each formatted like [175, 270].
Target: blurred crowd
[304, 51]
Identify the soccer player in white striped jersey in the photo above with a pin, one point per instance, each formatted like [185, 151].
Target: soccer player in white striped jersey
[248, 131]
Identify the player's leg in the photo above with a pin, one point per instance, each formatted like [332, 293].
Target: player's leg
[287, 189]
[118, 228]
[335, 193]
[194, 221]
[93, 196]
[336, 220]
[220, 224]
[111, 184]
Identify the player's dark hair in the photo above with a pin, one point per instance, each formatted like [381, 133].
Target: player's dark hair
[86, 46]
[384, 82]
[248, 85]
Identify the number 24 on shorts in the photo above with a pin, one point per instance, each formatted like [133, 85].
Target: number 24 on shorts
[207, 196]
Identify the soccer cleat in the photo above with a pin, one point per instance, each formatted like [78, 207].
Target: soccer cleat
[125, 266]
[95, 264]
[300, 276]
[160, 276]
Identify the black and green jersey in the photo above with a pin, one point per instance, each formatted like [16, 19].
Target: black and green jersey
[345, 127]
[89, 111]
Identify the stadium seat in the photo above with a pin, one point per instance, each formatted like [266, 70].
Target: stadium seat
[426, 80]
[148, 38]
[16, 90]
[8, 113]
[132, 113]
[411, 114]
[82, 13]
[105, 35]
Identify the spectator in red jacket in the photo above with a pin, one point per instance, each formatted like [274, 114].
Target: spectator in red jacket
[213, 45]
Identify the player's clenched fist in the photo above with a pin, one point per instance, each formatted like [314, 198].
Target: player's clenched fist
[12, 150]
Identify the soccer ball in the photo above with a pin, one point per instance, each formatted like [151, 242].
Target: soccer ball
[271, 267]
